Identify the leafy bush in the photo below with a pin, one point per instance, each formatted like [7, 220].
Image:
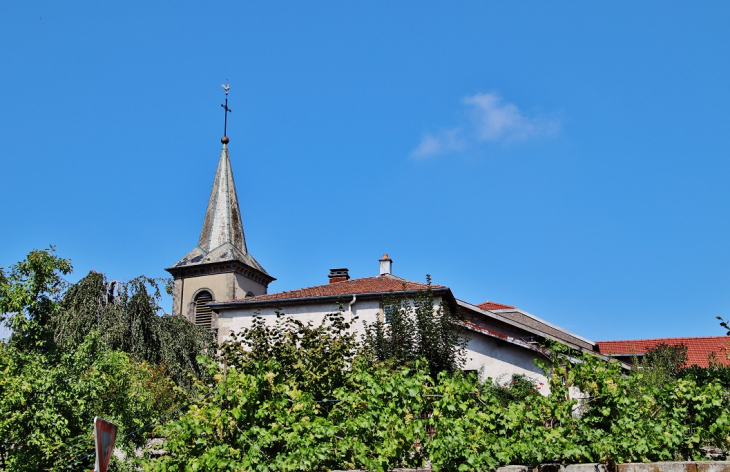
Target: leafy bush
[314, 358]
[64, 364]
[517, 389]
[414, 328]
[281, 407]
[47, 405]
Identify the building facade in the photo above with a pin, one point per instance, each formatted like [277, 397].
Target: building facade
[220, 286]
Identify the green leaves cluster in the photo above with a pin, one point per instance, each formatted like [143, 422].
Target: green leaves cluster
[415, 327]
[279, 407]
[47, 404]
[594, 413]
[76, 352]
[129, 319]
[314, 358]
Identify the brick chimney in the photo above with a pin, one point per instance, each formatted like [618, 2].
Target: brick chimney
[386, 265]
[339, 275]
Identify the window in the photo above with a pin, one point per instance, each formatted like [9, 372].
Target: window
[203, 313]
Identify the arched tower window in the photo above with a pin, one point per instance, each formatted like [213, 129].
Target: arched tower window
[203, 313]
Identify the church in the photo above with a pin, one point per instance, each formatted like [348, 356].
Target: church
[219, 285]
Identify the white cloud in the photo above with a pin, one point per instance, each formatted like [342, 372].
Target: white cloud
[441, 143]
[490, 119]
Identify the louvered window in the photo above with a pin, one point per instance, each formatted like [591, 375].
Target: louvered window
[203, 313]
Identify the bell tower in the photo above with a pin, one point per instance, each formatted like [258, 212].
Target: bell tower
[220, 267]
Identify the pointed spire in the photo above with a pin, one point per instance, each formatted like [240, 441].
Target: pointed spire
[222, 239]
[223, 218]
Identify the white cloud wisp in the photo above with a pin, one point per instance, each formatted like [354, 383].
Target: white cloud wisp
[490, 119]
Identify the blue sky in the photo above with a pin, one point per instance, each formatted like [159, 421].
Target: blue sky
[570, 158]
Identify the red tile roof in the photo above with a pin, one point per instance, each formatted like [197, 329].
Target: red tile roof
[494, 306]
[698, 348]
[380, 284]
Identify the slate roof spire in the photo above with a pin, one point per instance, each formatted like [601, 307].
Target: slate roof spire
[222, 222]
[222, 239]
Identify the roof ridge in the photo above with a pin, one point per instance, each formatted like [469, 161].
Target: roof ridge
[350, 281]
[362, 285]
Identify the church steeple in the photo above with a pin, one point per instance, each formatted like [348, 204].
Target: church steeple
[220, 267]
[222, 239]
[223, 219]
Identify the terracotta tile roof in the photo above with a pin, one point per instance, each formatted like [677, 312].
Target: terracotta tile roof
[379, 284]
[698, 348]
[494, 306]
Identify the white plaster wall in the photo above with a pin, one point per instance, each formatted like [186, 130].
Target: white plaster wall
[491, 357]
[498, 360]
[235, 320]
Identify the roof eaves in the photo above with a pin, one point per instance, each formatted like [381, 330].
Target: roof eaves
[504, 337]
[517, 324]
[245, 303]
[539, 349]
[508, 321]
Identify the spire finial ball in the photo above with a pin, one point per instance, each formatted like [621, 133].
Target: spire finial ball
[225, 140]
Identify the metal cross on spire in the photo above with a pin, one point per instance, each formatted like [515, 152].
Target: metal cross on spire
[226, 110]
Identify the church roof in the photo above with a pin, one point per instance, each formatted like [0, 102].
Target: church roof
[366, 285]
[222, 238]
[699, 348]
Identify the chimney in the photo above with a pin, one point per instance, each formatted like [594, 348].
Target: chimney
[339, 275]
[386, 265]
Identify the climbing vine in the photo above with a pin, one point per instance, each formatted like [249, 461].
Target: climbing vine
[274, 411]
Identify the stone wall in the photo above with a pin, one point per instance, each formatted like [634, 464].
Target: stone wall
[702, 466]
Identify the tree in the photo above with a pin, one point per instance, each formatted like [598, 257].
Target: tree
[296, 396]
[130, 319]
[29, 296]
[417, 329]
[47, 403]
[662, 363]
[76, 352]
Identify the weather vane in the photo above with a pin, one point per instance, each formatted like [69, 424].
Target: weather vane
[226, 110]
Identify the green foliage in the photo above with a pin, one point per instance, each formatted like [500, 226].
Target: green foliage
[661, 363]
[715, 372]
[415, 330]
[294, 396]
[262, 421]
[279, 407]
[517, 389]
[129, 317]
[666, 357]
[47, 404]
[29, 296]
[299, 396]
[594, 413]
[315, 358]
[63, 363]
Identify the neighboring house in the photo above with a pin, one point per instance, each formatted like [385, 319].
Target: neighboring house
[219, 285]
[700, 349]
